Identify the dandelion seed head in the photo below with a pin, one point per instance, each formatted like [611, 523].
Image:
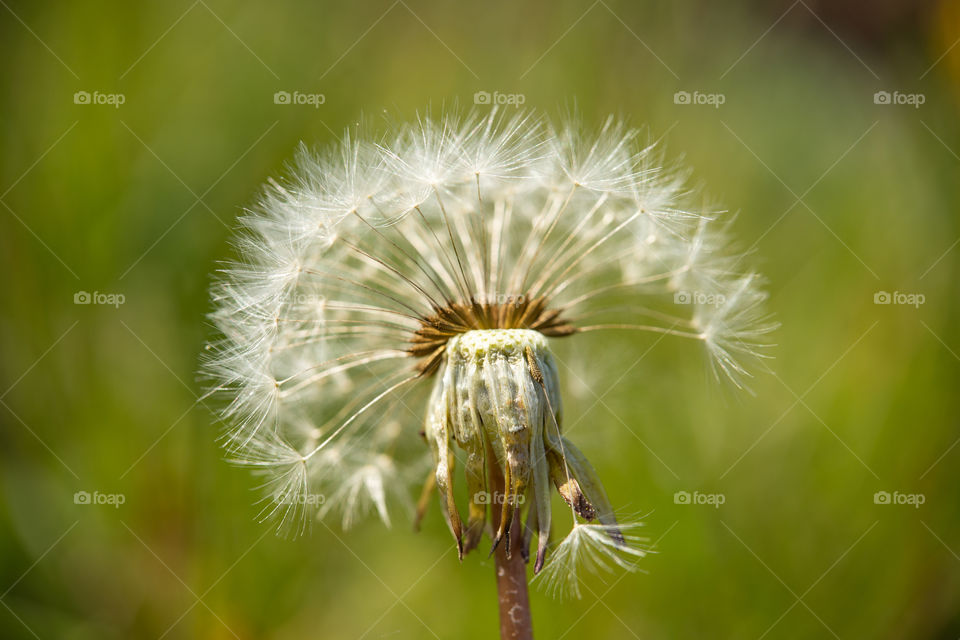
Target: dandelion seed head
[421, 277]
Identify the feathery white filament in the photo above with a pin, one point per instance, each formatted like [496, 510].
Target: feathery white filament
[591, 547]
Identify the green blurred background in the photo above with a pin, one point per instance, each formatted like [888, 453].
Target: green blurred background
[841, 198]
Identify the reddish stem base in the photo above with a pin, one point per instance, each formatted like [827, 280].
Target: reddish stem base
[513, 597]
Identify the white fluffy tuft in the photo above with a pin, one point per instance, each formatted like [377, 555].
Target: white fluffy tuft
[592, 547]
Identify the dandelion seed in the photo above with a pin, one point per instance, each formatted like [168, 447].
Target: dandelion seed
[595, 547]
[423, 279]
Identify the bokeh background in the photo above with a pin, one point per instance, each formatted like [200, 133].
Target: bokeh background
[842, 195]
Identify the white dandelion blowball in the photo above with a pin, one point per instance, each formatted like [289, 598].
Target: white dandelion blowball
[415, 284]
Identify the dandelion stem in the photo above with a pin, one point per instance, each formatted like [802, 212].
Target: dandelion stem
[514, 600]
